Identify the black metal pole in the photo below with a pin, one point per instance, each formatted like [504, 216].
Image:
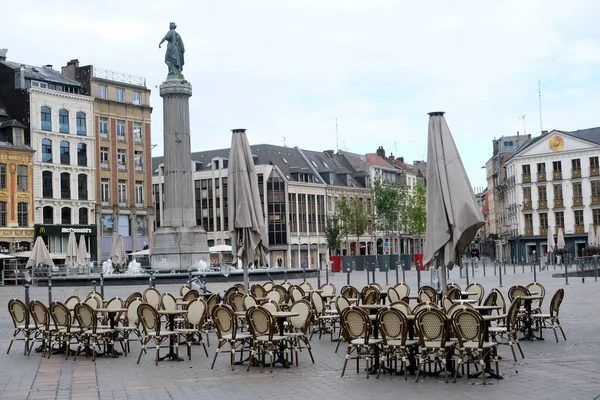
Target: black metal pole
[403, 273]
[319, 276]
[102, 283]
[27, 294]
[418, 276]
[49, 288]
[534, 273]
[348, 274]
[373, 272]
[386, 274]
[483, 261]
[367, 271]
[189, 281]
[304, 273]
[500, 274]
[327, 272]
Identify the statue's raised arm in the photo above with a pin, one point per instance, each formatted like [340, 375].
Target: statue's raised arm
[175, 49]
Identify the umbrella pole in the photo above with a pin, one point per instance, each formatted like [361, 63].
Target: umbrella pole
[246, 276]
[443, 277]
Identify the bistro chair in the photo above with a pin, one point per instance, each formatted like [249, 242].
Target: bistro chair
[152, 331]
[508, 331]
[349, 292]
[191, 295]
[323, 321]
[453, 294]
[296, 293]
[258, 291]
[542, 320]
[286, 285]
[71, 302]
[341, 303]
[91, 335]
[227, 333]
[299, 326]
[430, 292]
[401, 306]
[327, 289]
[20, 316]
[476, 292]
[63, 330]
[183, 290]
[262, 328]
[306, 286]
[152, 297]
[392, 295]
[192, 326]
[393, 325]
[131, 323]
[41, 319]
[402, 289]
[432, 329]
[268, 286]
[539, 290]
[249, 301]
[357, 328]
[271, 306]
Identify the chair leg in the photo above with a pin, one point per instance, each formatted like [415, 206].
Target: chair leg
[232, 355]
[219, 345]
[308, 347]
[157, 352]
[346, 361]
[419, 365]
[561, 329]
[482, 362]
[12, 340]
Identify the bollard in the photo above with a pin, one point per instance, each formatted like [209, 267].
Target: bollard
[373, 273]
[304, 273]
[460, 271]
[189, 282]
[514, 269]
[495, 262]
[523, 267]
[94, 286]
[397, 266]
[367, 271]
[467, 273]
[319, 277]
[387, 283]
[500, 274]
[204, 283]
[566, 276]
[504, 264]
[347, 274]
[483, 267]
[327, 272]
[596, 270]
[102, 283]
[473, 267]
[49, 288]
[418, 277]
[27, 294]
[285, 274]
[582, 273]
[403, 273]
[534, 273]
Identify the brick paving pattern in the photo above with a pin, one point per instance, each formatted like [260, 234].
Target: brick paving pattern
[565, 370]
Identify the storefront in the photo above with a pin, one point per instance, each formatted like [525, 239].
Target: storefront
[56, 237]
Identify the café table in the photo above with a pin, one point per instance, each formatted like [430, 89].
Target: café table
[171, 315]
[112, 313]
[280, 317]
[373, 309]
[485, 312]
[528, 320]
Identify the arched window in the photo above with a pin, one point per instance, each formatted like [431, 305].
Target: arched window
[82, 154]
[82, 190]
[48, 215]
[83, 216]
[46, 119]
[65, 185]
[47, 150]
[65, 215]
[81, 124]
[63, 121]
[47, 192]
[65, 157]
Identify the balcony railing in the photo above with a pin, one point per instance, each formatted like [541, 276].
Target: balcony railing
[104, 135]
[576, 173]
[541, 177]
[527, 205]
[579, 229]
[139, 205]
[139, 168]
[121, 137]
[104, 165]
[528, 231]
[543, 204]
[526, 178]
[595, 200]
[63, 128]
[594, 171]
[105, 202]
[46, 125]
[122, 167]
[543, 231]
[137, 139]
[556, 175]
[577, 201]
[122, 204]
[558, 203]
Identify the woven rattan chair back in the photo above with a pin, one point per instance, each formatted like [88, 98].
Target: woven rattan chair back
[283, 294]
[71, 301]
[296, 293]
[392, 295]
[96, 295]
[377, 286]
[258, 291]
[115, 302]
[490, 300]
[476, 292]
[453, 285]
[93, 302]
[317, 303]
[212, 302]
[392, 324]
[301, 322]
[431, 325]
[152, 297]
[306, 286]
[457, 307]
[446, 303]
[40, 314]
[356, 323]
[341, 303]
[18, 312]
[249, 301]
[499, 301]
[537, 289]
[371, 297]
[286, 285]
[230, 292]
[240, 288]
[183, 290]
[402, 306]
[556, 301]
[274, 295]
[327, 289]
[424, 297]
[427, 305]
[86, 317]
[517, 291]
[513, 312]
[168, 302]
[132, 314]
[402, 289]
[468, 326]
[133, 296]
[197, 310]
[453, 294]
[237, 302]
[260, 322]
[431, 292]
[149, 318]
[271, 306]
[350, 292]
[61, 315]
[268, 286]
[191, 295]
[224, 320]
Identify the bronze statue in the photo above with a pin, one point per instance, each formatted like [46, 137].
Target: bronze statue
[175, 50]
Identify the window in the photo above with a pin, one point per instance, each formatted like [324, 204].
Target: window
[47, 185]
[82, 190]
[22, 173]
[576, 164]
[121, 95]
[139, 192]
[559, 219]
[527, 194]
[121, 130]
[2, 176]
[103, 125]
[544, 220]
[526, 169]
[577, 193]
[63, 121]
[82, 154]
[595, 188]
[137, 132]
[65, 216]
[137, 98]
[542, 193]
[104, 163]
[558, 193]
[46, 119]
[529, 221]
[103, 92]
[22, 214]
[541, 168]
[81, 124]
[556, 166]
[105, 190]
[578, 217]
[65, 186]
[122, 159]
[46, 150]
[65, 158]
[48, 215]
[138, 158]
[594, 162]
[83, 216]
[3, 213]
[596, 216]
[122, 190]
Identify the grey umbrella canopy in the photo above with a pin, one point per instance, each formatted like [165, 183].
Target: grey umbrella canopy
[591, 236]
[82, 254]
[117, 251]
[453, 216]
[39, 255]
[71, 250]
[550, 241]
[560, 239]
[246, 218]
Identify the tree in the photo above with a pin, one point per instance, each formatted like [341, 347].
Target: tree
[386, 205]
[418, 211]
[333, 232]
[404, 207]
[359, 217]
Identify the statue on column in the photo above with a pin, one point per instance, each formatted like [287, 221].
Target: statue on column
[175, 50]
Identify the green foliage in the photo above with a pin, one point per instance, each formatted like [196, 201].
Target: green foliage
[334, 232]
[386, 204]
[417, 211]
[355, 215]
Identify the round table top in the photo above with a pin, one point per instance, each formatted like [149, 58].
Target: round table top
[493, 317]
[172, 312]
[111, 310]
[464, 301]
[372, 306]
[284, 314]
[532, 297]
[487, 307]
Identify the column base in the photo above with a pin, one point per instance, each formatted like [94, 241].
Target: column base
[179, 248]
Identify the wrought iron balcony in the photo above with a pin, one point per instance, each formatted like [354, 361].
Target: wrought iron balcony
[576, 173]
[577, 201]
[526, 178]
[528, 231]
[542, 205]
[594, 171]
[558, 203]
[541, 177]
[527, 205]
[556, 175]
[579, 229]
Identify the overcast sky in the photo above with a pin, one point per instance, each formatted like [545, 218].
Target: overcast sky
[289, 68]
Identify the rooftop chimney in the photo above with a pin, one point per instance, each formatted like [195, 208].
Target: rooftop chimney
[381, 152]
[401, 159]
[544, 133]
[3, 54]
[74, 62]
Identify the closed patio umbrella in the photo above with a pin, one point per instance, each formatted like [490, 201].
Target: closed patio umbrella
[246, 218]
[71, 250]
[82, 253]
[39, 255]
[117, 251]
[560, 240]
[598, 236]
[591, 236]
[550, 240]
[453, 216]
